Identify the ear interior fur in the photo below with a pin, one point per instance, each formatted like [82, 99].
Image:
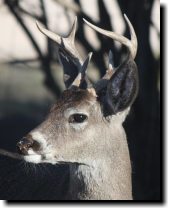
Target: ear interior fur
[122, 88]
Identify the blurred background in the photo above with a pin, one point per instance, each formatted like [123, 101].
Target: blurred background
[31, 81]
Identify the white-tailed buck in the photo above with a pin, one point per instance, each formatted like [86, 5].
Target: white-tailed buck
[84, 128]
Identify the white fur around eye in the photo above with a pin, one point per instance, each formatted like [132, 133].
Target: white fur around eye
[72, 111]
[78, 126]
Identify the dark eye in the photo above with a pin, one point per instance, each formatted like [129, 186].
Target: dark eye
[77, 118]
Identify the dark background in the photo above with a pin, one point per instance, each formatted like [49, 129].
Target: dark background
[19, 180]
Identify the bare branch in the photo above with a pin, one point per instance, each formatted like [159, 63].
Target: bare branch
[45, 22]
[14, 11]
[45, 61]
[69, 6]
[22, 10]
[10, 154]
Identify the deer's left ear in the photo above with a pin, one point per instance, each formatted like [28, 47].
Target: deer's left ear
[71, 69]
[122, 88]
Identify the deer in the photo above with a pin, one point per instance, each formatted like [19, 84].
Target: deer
[84, 128]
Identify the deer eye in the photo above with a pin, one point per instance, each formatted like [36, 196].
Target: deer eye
[77, 118]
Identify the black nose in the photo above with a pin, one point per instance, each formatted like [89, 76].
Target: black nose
[25, 144]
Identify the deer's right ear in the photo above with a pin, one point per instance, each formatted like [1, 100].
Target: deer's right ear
[122, 88]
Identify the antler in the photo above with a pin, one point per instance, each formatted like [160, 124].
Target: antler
[130, 44]
[67, 44]
[71, 60]
[119, 85]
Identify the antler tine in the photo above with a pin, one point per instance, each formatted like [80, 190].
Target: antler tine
[110, 71]
[133, 41]
[66, 44]
[131, 44]
[71, 35]
[68, 54]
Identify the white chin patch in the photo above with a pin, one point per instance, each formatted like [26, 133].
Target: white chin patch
[33, 158]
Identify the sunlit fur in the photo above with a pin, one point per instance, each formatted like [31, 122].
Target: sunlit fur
[96, 151]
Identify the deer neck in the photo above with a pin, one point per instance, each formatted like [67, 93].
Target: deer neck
[100, 181]
[108, 176]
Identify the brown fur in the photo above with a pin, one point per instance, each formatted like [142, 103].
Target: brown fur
[96, 153]
[72, 97]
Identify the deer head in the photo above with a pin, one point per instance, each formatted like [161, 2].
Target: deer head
[85, 124]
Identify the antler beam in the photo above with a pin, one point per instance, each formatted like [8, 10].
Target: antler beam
[130, 44]
[65, 43]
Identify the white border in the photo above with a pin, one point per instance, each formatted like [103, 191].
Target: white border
[166, 5]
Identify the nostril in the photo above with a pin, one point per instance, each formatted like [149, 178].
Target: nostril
[24, 145]
[36, 145]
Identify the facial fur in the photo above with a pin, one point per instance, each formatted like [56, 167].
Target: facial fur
[64, 141]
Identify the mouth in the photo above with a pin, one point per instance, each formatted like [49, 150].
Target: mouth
[34, 157]
[38, 158]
